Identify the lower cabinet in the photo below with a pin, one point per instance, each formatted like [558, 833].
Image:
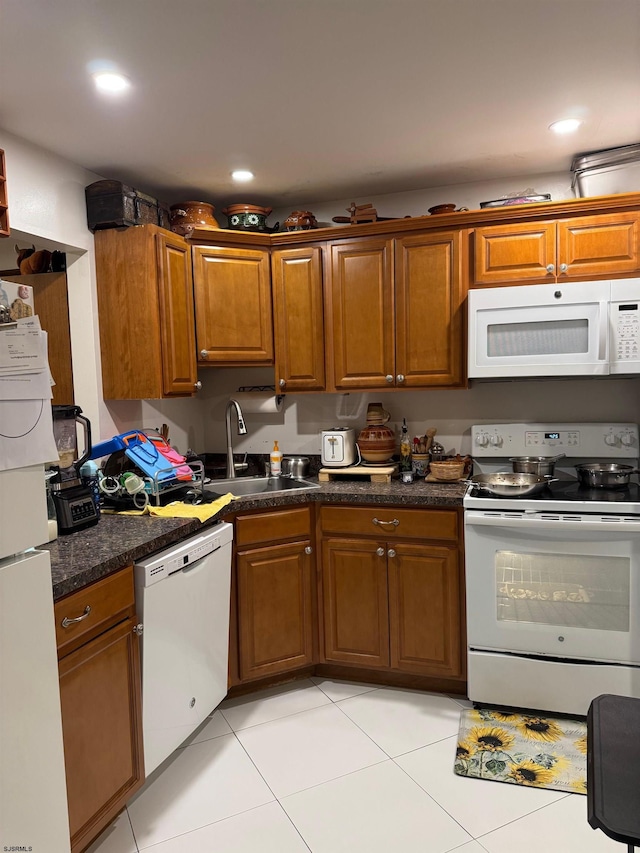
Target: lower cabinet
[274, 588]
[392, 601]
[100, 694]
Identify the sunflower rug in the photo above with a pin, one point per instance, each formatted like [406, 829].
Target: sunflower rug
[523, 749]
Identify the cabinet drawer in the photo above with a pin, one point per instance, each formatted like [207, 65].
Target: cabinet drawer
[98, 606]
[411, 523]
[275, 525]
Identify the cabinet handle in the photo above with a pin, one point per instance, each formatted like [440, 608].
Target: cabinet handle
[564, 267]
[197, 385]
[203, 353]
[550, 269]
[391, 552]
[308, 550]
[389, 378]
[138, 629]
[381, 522]
[380, 552]
[282, 383]
[66, 621]
[400, 378]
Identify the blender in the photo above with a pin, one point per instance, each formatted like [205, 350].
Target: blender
[73, 501]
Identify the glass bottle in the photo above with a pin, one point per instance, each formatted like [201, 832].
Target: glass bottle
[405, 448]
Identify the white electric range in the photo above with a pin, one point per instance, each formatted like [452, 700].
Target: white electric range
[553, 580]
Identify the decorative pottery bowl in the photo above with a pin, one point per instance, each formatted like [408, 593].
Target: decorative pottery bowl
[187, 215]
[300, 220]
[247, 217]
[377, 443]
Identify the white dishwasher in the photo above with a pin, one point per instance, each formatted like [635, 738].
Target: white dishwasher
[183, 597]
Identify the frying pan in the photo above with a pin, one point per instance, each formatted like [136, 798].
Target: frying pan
[506, 484]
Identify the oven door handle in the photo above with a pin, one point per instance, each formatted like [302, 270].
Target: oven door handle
[526, 522]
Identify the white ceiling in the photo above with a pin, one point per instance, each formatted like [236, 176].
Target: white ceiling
[322, 99]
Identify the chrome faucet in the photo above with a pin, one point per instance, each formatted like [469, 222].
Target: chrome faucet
[242, 430]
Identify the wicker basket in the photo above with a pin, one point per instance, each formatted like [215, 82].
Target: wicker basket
[447, 471]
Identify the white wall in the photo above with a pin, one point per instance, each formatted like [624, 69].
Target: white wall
[418, 202]
[452, 412]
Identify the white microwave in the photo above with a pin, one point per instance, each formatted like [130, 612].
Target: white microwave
[586, 328]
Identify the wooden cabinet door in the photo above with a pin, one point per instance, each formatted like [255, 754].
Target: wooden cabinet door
[520, 253]
[598, 246]
[424, 609]
[429, 296]
[275, 613]
[360, 315]
[233, 305]
[177, 326]
[298, 319]
[102, 729]
[355, 602]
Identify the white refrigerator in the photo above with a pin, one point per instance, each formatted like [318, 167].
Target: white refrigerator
[33, 794]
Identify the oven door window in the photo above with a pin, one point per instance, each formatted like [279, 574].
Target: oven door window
[563, 590]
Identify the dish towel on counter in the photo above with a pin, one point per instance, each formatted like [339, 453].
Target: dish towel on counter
[179, 509]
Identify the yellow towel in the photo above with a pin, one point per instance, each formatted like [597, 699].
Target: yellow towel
[179, 509]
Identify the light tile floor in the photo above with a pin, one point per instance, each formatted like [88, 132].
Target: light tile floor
[334, 767]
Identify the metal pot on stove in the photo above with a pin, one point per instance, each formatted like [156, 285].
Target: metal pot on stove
[605, 475]
[542, 466]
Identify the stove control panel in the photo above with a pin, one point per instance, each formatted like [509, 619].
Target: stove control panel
[607, 441]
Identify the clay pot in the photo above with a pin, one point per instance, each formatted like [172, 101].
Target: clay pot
[300, 220]
[376, 441]
[445, 208]
[187, 215]
[247, 217]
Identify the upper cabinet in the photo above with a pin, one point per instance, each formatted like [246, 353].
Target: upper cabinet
[578, 248]
[360, 315]
[298, 319]
[232, 288]
[429, 293]
[394, 312]
[145, 305]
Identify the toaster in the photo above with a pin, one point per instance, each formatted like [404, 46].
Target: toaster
[338, 447]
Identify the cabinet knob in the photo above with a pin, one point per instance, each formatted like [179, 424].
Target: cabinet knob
[66, 621]
[203, 353]
[391, 552]
[380, 552]
[400, 378]
[550, 269]
[138, 629]
[564, 267]
[282, 383]
[198, 385]
[308, 550]
[389, 378]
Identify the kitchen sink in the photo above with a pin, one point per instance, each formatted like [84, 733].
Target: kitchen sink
[258, 485]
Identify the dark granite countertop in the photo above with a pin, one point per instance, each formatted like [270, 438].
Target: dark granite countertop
[118, 540]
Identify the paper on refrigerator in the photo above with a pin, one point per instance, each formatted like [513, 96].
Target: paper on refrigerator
[26, 423]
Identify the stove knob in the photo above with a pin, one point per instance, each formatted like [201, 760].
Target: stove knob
[482, 439]
[495, 440]
[610, 439]
[626, 438]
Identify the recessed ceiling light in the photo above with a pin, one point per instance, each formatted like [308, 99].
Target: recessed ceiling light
[242, 175]
[565, 125]
[111, 82]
